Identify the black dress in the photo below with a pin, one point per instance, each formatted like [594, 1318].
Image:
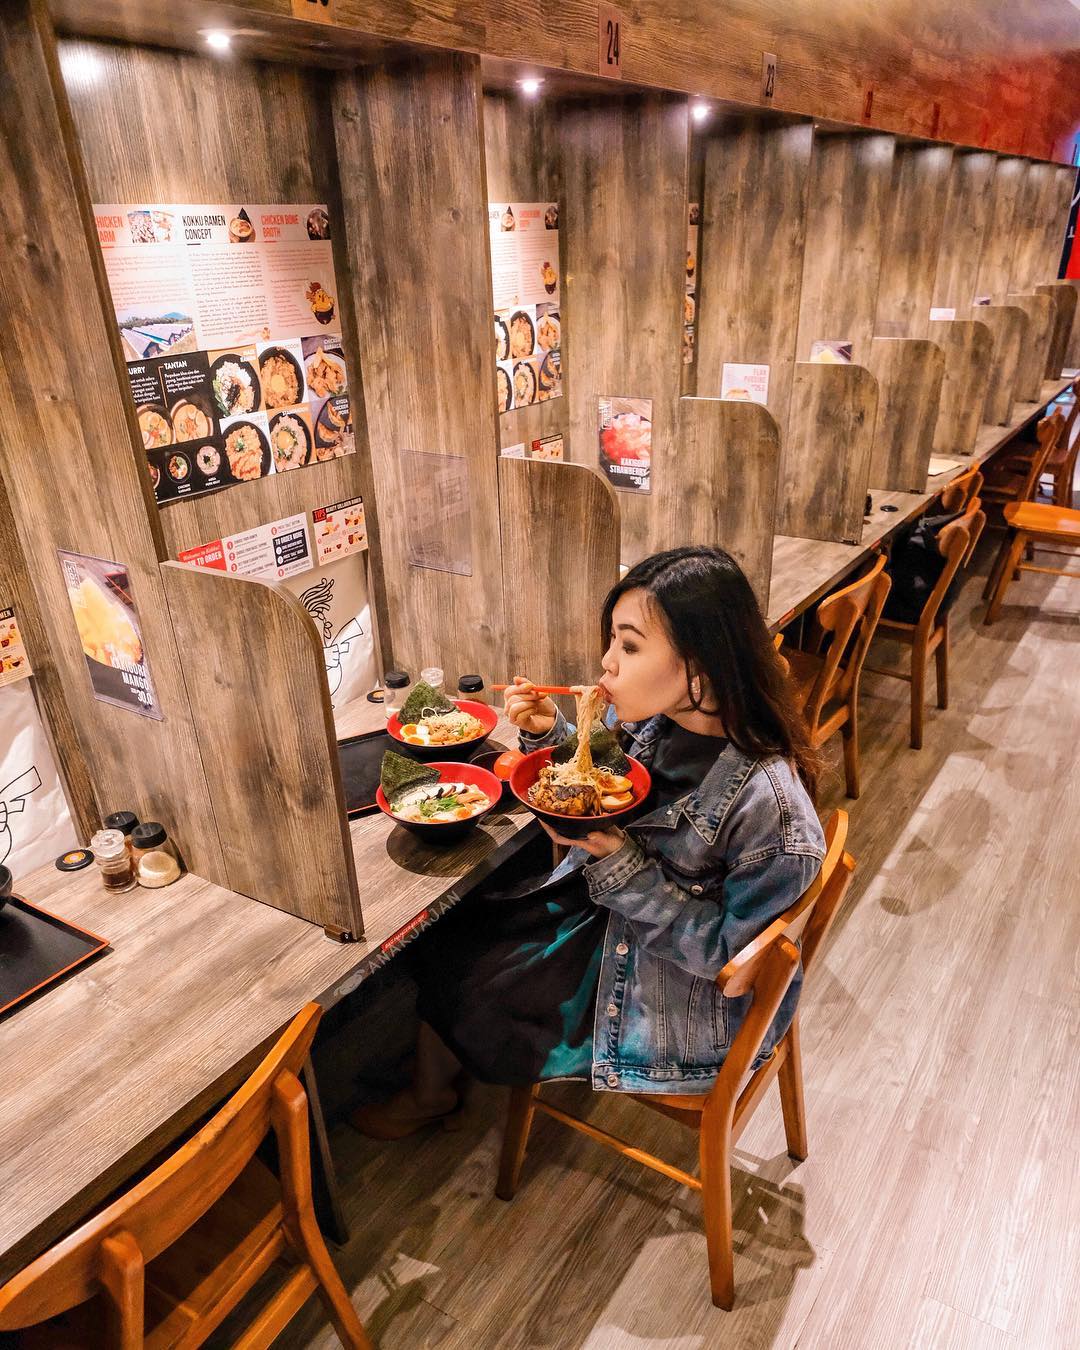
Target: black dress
[508, 978]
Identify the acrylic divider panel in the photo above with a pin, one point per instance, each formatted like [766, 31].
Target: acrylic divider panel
[14, 662]
[438, 516]
[107, 620]
[625, 443]
[228, 320]
[524, 243]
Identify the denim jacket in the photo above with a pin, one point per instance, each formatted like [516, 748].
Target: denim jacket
[693, 883]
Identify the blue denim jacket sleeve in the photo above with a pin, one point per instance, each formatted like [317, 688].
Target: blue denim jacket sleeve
[558, 733]
[700, 936]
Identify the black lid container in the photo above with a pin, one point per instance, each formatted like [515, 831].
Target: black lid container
[471, 684]
[124, 821]
[397, 679]
[150, 834]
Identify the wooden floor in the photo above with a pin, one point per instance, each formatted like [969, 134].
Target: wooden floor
[940, 1204]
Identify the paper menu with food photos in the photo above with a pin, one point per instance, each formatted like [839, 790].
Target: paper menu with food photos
[340, 529]
[744, 383]
[625, 442]
[107, 620]
[14, 662]
[690, 298]
[524, 246]
[228, 321]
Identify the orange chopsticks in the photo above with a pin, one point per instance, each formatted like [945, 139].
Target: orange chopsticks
[537, 688]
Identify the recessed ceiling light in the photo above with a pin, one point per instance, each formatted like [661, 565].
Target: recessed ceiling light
[699, 111]
[219, 41]
[531, 86]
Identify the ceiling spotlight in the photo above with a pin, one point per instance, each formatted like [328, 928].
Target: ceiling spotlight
[217, 40]
[531, 86]
[699, 111]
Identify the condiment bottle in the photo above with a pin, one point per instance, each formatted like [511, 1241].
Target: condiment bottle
[156, 860]
[112, 855]
[124, 821]
[471, 687]
[395, 682]
[433, 675]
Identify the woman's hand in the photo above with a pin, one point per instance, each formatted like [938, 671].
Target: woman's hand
[528, 710]
[598, 843]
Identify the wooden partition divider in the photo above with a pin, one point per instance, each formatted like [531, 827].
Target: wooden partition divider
[909, 374]
[825, 462]
[261, 707]
[1064, 296]
[994, 275]
[969, 352]
[916, 212]
[410, 157]
[623, 225]
[560, 544]
[726, 493]
[1035, 351]
[753, 224]
[1008, 326]
[850, 178]
[1040, 227]
[1072, 351]
[68, 385]
[967, 217]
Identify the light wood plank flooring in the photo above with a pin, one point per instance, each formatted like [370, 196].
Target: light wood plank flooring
[940, 1204]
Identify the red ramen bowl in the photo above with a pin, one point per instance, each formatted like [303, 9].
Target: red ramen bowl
[526, 773]
[449, 831]
[459, 749]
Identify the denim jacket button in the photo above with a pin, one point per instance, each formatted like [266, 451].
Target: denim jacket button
[696, 889]
[621, 949]
[612, 1010]
[613, 1080]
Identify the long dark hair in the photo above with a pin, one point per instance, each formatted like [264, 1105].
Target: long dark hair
[715, 624]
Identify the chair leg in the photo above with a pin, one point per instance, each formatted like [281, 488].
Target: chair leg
[519, 1119]
[714, 1145]
[289, 1113]
[918, 693]
[941, 662]
[999, 563]
[1005, 577]
[790, 1081]
[850, 733]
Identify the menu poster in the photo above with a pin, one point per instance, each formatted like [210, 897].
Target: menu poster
[744, 383]
[110, 633]
[275, 551]
[525, 297]
[340, 529]
[547, 447]
[824, 353]
[626, 442]
[983, 300]
[942, 313]
[14, 662]
[227, 319]
[690, 299]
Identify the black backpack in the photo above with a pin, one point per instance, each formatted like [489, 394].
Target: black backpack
[915, 566]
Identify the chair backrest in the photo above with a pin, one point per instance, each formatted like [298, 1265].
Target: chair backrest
[961, 490]
[851, 615]
[1048, 433]
[766, 966]
[1070, 443]
[161, 1207]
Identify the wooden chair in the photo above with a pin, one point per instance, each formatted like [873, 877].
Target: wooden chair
[958, 494]
[1035, 526]
[1061, 463]
[827, 686]
[1049, 433]
[764, 968]
[930, 636]
[164, 1264]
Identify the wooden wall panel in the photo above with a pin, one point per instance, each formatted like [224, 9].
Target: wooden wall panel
[727, 494]
[566, 515]
[66, 377]
[969, 352]
[1064, 297]
[967, 217]
[1036, 347]
[522, 166]
[909, 374]
[850, 179]
[916, 212]
[266, 735]
[410, 152]
[1008, 327]
[999, 243]
[748, 300]
[624, 176]
[1072, 351]
[1042, 215]
[825, 462]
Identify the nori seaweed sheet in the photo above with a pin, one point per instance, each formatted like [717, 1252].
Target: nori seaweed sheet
[398, 774]
[422, 698]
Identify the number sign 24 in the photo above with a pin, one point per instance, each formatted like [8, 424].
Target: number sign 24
[611, 29]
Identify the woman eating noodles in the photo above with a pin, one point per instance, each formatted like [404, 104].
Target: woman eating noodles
[603, 969]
